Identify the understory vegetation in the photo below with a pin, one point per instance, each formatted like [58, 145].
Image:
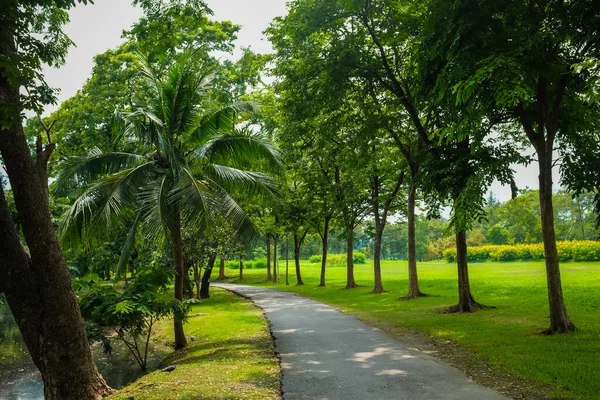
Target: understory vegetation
[231, 356]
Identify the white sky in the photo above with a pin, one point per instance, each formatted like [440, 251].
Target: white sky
[98, 27]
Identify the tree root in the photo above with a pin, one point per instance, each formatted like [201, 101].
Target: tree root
[412, 296]
[559, 329]
[472, 307]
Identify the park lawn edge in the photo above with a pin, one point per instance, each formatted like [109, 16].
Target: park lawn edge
[232, 356]
[466, 356]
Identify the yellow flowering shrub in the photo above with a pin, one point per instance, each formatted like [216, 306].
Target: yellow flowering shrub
[577, 250]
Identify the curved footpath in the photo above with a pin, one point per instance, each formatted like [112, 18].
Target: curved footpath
[328, 355]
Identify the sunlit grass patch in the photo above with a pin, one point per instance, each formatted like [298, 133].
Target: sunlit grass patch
[507, 337]
[231, 357]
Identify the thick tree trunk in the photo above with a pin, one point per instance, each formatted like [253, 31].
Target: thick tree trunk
[378, 287]
[222, 276]
[180, 339]
[269, 277]
[51, 322]
[205, 286]
[466, 303]
[241, 269]
[287, 262]
[413, 280]
[559, 319]
[350, 282]
[275, 272]
[297, 245]
[324, 242]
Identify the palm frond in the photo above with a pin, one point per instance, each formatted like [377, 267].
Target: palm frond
[156, 213]
[108, 203]
[196, 199]
[256, 185]
[234, 214]
[242, 150]
[128, 247]
[217, 122]
[81, 171]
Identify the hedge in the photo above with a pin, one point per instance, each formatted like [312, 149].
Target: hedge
[576, 250]
[340, 259]
[250, 264]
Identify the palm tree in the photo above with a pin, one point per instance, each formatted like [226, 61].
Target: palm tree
[187, 166]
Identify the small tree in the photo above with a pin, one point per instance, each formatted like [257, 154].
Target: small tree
[133, 313]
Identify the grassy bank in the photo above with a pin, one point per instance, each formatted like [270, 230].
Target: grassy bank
[506, 337]
[231, 357]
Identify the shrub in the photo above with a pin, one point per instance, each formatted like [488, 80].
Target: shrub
[359, 258]
[340, 259]
[315, 259]
[582, 250]
[259, 264]
[233, 264]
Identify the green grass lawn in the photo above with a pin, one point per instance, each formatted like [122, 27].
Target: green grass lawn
[231, 357]
[506, 337]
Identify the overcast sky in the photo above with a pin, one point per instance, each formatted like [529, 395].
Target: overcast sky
[95, 28]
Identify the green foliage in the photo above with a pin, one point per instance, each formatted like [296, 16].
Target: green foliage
[340, 259]
[359, 258]
[584, 250]
[131, 314]
[250, 264]
[32, 37]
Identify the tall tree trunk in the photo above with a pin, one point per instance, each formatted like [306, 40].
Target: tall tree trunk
[205, 286]
[350, 282]
[324, 242]
[180, 339]
[287, 262]
[241, 269]
[466, 303]
[269, 277]
[413, 279]
[275, 273]
[56, 339]
[297, 244]
[197, 280]
[378, 288]
[222, 276]
[559, 319]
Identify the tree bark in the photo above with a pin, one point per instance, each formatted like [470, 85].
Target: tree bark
[275, 274]
[241, 269]
[287, 262]
[197, 280]
[51, 321]
[205, 286]
[222, 276]
[324, 242]
[466, 303]
[378, 287]
[180, 339]
[559, 319]
[350, 282]
[269, 277]
[297, 244]
[413, 280]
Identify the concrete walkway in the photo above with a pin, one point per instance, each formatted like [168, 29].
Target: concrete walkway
[327, 355]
